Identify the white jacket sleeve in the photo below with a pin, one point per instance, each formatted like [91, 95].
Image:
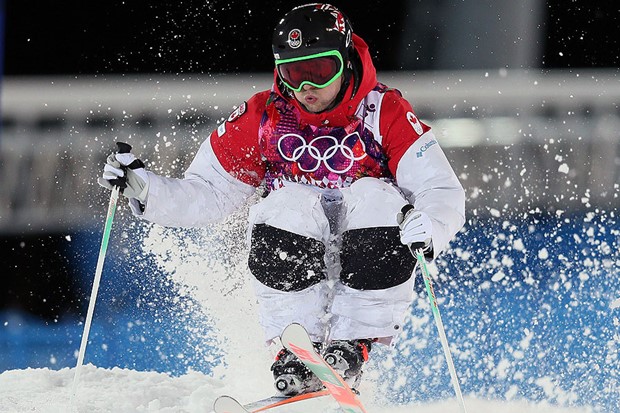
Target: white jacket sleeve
[206, 195]
[430, 184]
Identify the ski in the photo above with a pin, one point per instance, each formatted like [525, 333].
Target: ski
[227, 404]
[295, 338]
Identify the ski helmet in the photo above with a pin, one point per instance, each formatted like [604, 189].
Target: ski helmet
[310, 30]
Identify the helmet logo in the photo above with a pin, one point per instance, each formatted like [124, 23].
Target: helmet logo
[294, 38]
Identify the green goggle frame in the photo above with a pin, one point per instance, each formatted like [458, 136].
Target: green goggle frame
[290, 83]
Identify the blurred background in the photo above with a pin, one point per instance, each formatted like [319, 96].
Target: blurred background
[523, 96]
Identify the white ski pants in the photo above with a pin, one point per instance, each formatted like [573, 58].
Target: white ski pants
[330, 307]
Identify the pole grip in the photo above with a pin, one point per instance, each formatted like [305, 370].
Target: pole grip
[123, 147]
[121, 182]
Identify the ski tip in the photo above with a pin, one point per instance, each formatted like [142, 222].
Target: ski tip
[227, 404]
[295, 328]
[293, 333]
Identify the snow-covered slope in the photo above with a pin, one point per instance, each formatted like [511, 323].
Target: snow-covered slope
[121, 390]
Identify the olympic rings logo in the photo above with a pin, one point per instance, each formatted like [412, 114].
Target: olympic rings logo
[337, 156]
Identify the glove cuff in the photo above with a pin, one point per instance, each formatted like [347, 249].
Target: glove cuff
[144, 193]
[137, 208]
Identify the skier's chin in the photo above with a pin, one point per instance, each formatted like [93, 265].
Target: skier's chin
[314, 106]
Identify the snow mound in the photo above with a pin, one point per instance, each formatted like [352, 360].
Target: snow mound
[106, 390]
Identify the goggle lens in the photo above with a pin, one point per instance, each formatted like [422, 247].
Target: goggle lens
[316, 71]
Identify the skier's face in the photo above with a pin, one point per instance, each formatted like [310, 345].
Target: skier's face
[316, 100]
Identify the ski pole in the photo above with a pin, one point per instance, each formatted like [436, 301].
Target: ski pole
[122, 148]
[442, 332]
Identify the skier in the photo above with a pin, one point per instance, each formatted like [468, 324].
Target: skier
[339, 155]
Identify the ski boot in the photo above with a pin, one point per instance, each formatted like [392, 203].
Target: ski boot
[347, 358]
[292, 377]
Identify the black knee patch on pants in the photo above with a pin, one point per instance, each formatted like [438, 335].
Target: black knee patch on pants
[285, 261]
[374, 259]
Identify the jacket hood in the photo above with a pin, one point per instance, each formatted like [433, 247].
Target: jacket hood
[343, 113]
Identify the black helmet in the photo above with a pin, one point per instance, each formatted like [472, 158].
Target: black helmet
[310, 29]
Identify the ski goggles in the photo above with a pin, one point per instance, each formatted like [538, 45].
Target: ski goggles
[318, 70]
